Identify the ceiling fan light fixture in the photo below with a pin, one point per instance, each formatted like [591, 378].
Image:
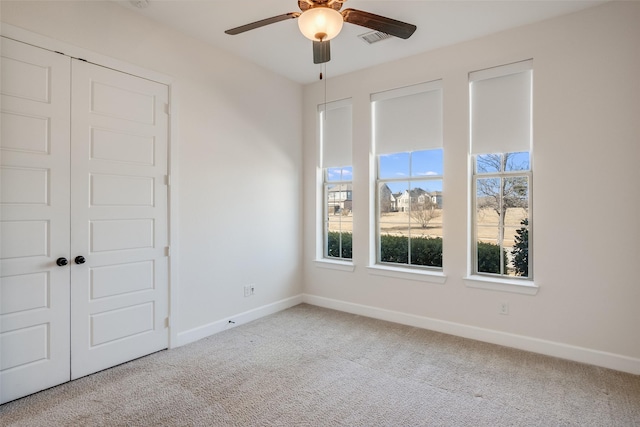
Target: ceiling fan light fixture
[320, 23]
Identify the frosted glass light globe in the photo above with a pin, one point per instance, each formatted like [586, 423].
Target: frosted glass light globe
[320, 23]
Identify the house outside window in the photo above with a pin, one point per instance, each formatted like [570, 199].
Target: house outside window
[407, 138]
[337, 174]
[501, 177]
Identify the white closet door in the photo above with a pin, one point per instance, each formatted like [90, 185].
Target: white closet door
[119, 296]
[34, 219]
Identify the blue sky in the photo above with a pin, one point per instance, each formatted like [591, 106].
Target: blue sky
[418, 164]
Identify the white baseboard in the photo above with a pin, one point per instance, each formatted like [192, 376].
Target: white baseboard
[204, 331]
[550, 348]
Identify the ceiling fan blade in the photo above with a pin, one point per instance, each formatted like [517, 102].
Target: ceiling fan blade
[262, 23]
[321, 52]
[379, 23]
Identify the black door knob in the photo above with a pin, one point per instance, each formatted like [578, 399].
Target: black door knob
[62, 261]
[80, 259]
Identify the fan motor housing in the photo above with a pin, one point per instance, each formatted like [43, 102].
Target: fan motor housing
[310, 4]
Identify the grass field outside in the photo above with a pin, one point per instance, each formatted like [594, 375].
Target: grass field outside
[401, 224]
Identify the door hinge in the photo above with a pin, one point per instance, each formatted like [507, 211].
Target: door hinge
[167, 109]
[167, 180]
[167, 251]
[167, 322]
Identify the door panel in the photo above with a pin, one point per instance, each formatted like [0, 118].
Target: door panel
[120, 234]
[24, 292]
[34, 219]
[122, 147]
[118, 190]
[24, 239]
[33, 188]
[118, 218]
[25, 75]
[120, 323]
[121, 279]
[25, 133]
[29, 340]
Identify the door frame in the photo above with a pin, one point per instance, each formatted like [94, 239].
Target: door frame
[38, 40]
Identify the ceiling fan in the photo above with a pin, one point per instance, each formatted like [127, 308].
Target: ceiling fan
[321, 20]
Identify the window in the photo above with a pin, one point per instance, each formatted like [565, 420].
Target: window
[338, 213]
[501, 178]
[410, 208]
[409, 171]
[337, 175]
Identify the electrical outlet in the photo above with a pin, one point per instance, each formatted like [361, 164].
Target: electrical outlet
[247, 290]
[504, 308]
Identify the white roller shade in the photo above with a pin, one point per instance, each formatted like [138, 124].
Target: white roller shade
[335, 130]
[501, 109]
[408, 119]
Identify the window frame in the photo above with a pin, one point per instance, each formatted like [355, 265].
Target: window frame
[340, 151]
[409, 180]
[501, 175]
[326, 183]
[429, 137]
[502, 105]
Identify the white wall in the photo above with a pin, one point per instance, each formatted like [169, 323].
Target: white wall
[233, 149]
[239, 158]
[586, 199]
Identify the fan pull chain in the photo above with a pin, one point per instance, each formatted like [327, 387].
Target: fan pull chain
[324, 67]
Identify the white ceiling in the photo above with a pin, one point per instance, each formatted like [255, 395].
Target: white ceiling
[281, 47]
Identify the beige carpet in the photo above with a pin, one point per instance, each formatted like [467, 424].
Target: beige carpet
[309, 366]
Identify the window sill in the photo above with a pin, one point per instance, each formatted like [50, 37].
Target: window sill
[335, 264]
[409, 274]
[504, 285]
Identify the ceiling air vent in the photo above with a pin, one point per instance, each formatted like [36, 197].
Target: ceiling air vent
[140, 4]
[374, 36]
